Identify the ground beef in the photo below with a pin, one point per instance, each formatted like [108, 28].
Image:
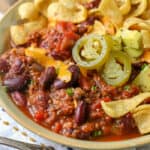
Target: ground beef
[77, 114]
[60, 40]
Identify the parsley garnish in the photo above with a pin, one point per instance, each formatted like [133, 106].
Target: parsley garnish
[31, 81]
[57, 70]
[127, 87]
[97, 133]
[93, 88]
[70, 91]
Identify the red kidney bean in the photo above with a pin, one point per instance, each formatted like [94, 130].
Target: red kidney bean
[19, 98]
[59, 84]
[37, 67]
[81, 112]
[75, 75]
[83, 27]
[126, 123]
[84, 83]
[47, 77]
[4, 66]
[16, 83]
[17, 67]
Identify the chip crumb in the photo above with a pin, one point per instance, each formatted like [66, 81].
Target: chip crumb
[6, 123]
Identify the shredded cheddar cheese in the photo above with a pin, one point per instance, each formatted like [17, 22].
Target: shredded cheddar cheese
[39, 55]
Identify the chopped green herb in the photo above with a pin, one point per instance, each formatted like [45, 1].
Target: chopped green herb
[144, 65]
[93, 88]
[70, 91]
[97, 133]
[31, 81]
[57, 70]
[127, 87]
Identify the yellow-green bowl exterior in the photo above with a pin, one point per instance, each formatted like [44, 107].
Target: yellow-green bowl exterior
[10, 18]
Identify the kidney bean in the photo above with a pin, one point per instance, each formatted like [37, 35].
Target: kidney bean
[59, 84]
[83, 27]
[84, 83]
[37, 67]
[47, 77]
[75, 75]
[19, 98]
[17, 67]
[125, 124]
[16, 83]
[81, 112]
[4, 66]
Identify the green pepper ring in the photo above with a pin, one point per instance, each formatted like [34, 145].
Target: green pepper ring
[93, 64]
[123, 58]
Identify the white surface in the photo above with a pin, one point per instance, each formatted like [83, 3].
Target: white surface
[10, 129]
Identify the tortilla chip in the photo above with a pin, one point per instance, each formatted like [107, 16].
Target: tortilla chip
[35, 25]
[142, 119]
[98, 28]
[125, 6]
[141, 8]
[18, 34]
[111, 10]
[40, 56]
[28, 11]
[57, 11]
[116, 109]
[146, 38]
[141, 108]
[42, 5]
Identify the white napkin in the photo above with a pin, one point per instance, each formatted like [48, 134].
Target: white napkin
[11, 129]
